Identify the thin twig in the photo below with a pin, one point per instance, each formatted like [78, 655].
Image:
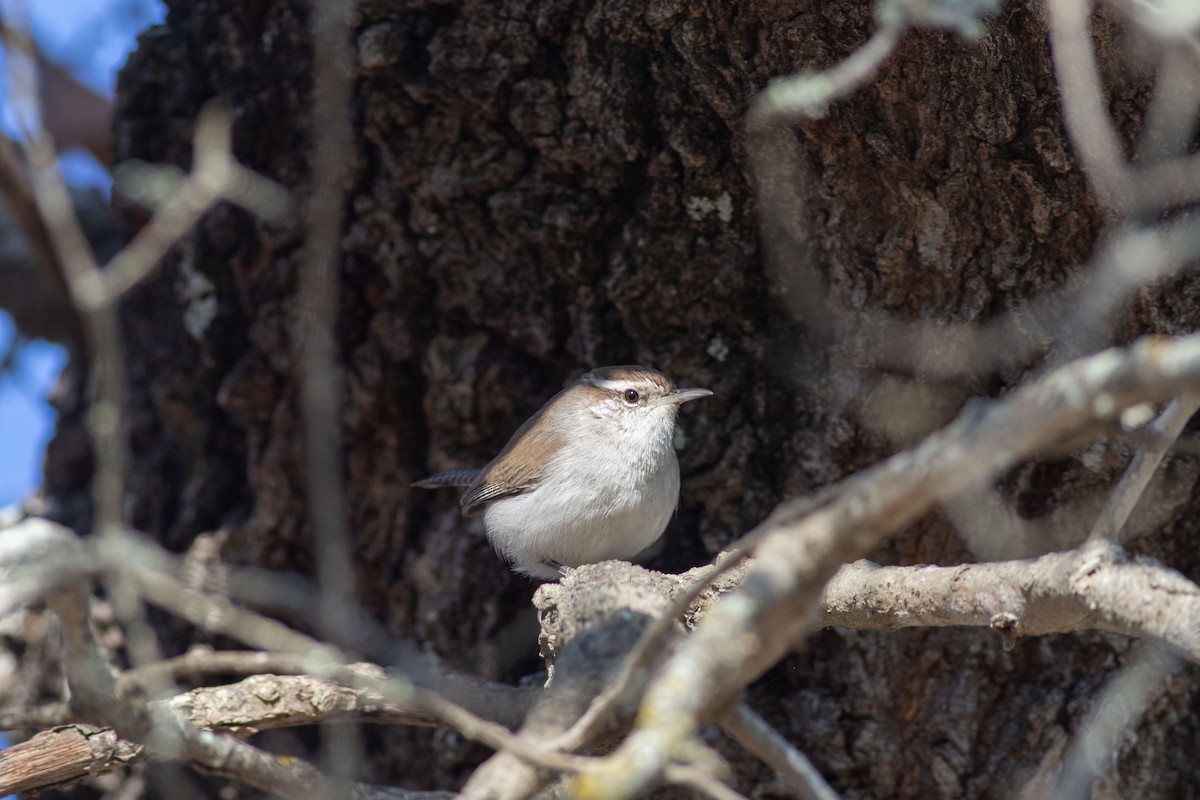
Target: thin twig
[753, 733]
[1165, 21]
[200, 663]
[695, 778]
[35, 718]
[72, 252]
[319, 293]
[321, 379]
[1171, 114]
[1124, 498]
[219, 615]
[1091, 131]
[1120, 705]
[215, 176]
[18, 198]
[810, 94]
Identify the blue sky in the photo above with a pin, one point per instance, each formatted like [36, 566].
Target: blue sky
[92, 39]
[26, 421]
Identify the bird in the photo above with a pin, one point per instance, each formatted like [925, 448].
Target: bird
[591, 476]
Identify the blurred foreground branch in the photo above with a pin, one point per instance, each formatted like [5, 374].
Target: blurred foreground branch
[752, 627]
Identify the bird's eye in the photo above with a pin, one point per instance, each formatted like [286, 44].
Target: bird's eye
[632, 397]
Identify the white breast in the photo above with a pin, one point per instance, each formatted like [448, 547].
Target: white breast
[589, 508]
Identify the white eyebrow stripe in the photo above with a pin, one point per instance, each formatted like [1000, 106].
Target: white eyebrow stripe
[604, 383]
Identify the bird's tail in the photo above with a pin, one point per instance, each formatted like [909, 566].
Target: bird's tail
[455, 477]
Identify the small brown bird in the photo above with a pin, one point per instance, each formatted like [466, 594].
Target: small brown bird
[592, 476]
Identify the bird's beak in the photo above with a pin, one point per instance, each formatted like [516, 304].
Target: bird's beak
[680, 396]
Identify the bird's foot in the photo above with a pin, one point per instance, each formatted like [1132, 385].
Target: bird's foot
[562, 569]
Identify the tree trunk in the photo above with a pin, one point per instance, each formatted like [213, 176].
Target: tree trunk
[540, 188]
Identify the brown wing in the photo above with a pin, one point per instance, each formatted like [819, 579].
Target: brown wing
[519, 466]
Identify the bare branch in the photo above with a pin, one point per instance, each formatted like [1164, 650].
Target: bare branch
[691, 587]
[1091, 131]
[94, 691]
[319, 292]
[46, 716]
[57, 319]
[1168, 22]
[591, 621]
[225, 755]
[90, 676]
[74, 255]
[39, 555]
[801, 553]
[37, 558]
[635, 665]
[700, 780]
[215, 176]
[321, 379]
[67, 754]
[219, 615]
[1123, 701]
[1123, 499]
[1093, 587]
[811, 94]
[753, 733]
[258, 703]
[1174, 182]
[62, 756]
[497, 702]
[1171, 115]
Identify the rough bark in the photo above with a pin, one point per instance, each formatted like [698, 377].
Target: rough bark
[544, 187]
